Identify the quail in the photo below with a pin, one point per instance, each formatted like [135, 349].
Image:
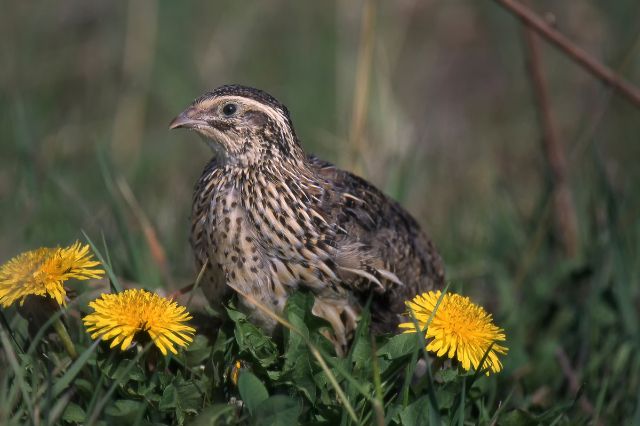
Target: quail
[268, 219]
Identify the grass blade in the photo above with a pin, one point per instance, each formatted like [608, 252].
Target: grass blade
[124, 374]
[17, 371]
[63, 382]
[107, 265]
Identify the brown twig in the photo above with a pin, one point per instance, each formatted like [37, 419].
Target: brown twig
[564, 210]
[581, 57]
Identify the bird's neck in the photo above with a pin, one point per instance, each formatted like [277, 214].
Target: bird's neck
[267, 155]
[260, 181]
[273, 159]
[271, 169]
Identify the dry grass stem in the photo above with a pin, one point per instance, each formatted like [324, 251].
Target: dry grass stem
[565, 216]
[361, 91]
[139, 56]
[158, 253]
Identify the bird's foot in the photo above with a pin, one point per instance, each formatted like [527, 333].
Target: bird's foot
[343, 319]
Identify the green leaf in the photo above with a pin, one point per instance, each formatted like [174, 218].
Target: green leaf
[65, 381]
[124, 411]
[253, 340]
[189, 396]
[518, 418]
[392, 414]
[181, 397]
[362, 354]
[236, 316]
[217, 414]
[297, 367]
[295, 312]
[169, 399]
[417, 413]
[73, 413]
[445, 398]
[220, 344]
[84, 387]
[198, 351]
[121, 369]
[446, 376]
[399, 346]
[279, 410]
[252, 391]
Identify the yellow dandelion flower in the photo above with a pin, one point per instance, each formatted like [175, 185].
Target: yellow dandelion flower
[459, 328]
[42, 272]
[121, 316]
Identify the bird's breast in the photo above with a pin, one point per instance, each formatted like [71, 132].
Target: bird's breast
[239, 248]
[265, 240]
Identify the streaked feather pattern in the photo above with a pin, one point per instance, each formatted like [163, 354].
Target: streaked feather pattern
[269, 219]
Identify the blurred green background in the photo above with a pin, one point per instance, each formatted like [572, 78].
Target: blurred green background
[450, 129]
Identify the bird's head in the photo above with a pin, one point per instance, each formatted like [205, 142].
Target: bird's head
[244, 126]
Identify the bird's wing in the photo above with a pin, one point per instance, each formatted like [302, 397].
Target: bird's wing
[377, 238]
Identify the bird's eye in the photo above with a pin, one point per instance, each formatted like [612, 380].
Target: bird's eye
[229, 109]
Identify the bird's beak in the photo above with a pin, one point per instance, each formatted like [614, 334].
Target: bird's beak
[186, 120]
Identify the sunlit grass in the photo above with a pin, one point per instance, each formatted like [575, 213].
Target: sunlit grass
[295, 376]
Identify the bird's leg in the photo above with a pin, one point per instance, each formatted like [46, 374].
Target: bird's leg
[332, 311]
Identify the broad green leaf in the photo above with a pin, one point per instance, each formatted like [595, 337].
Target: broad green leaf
[279, 410]
[73, 413]
[399, 346]
[198, 351]
[295, 312]
[124, 411]
[518, 418]
[169, 400]
[217, 414]
[447, 375]
[252, 391]
[252, 339]
[181, 397]
[392, 414]
[361, 354]
[122, 369]
[445, 398]
[416, 413]
[297, 367]
[84, 387]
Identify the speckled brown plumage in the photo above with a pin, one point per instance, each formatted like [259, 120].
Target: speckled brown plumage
[268, 219]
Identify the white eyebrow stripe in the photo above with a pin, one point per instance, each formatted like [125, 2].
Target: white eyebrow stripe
[284, 128]
[207, 103]
[274, 113]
